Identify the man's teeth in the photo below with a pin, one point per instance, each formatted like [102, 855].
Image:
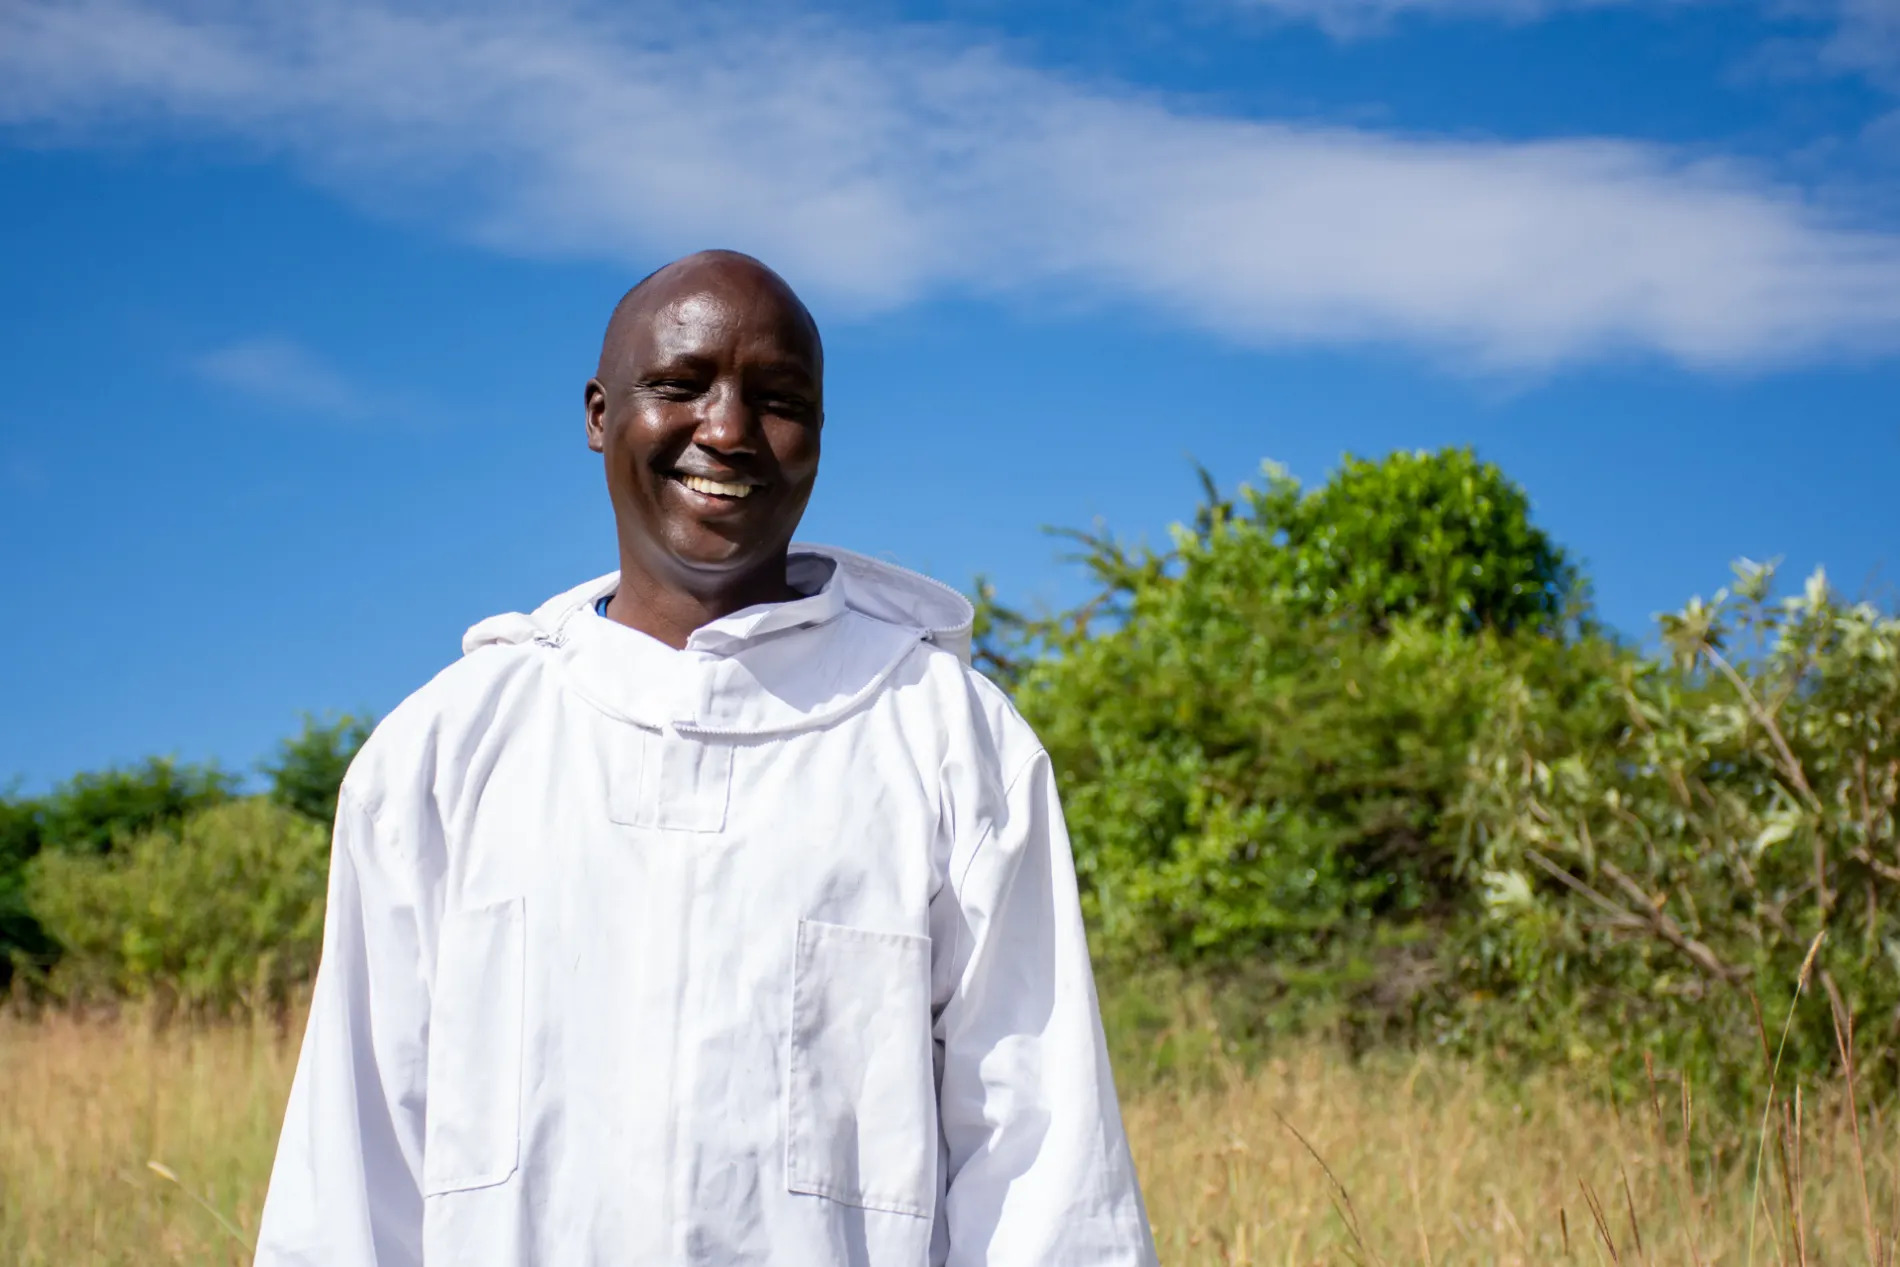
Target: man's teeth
[700, 484]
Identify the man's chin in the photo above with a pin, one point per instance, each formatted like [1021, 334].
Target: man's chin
[708, 557]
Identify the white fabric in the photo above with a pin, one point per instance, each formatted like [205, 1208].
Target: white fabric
[763, 951]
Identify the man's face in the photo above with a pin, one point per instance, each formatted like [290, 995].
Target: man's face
[707, 412]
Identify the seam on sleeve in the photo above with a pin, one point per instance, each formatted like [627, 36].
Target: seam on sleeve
[956, 892]
[958, 885]
[1021, 770]
[346, 791]
[989, 832]
[963, 876]
[380, 830]
[346, 797]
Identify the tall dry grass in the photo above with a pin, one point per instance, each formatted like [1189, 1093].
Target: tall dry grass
[1308, 1159]
[86, 1106]
[1312, 1159]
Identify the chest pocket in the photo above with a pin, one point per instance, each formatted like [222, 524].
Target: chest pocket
[861, 1099]
[472, 1136]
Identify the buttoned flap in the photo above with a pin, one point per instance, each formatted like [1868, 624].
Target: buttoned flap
[861, 1099]
[678, 783]
[473, 1131]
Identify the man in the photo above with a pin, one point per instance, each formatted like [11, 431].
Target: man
[716, 912]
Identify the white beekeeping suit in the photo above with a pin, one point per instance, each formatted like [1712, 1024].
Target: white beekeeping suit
[762, 951]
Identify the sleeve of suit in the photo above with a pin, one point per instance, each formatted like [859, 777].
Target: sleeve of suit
[346, 1188]
[1037, 1165]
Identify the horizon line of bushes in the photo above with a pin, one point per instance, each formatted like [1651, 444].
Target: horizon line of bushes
[1356, 757]
[171, 878]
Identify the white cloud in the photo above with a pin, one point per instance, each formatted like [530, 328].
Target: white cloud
[1867, 40]
[881, 167]
[1350, 18]
[1860, 37]
[284, 374]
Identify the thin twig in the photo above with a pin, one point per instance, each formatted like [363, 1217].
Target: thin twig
[1789, 765]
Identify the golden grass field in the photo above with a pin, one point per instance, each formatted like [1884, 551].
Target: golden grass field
[119, 1145]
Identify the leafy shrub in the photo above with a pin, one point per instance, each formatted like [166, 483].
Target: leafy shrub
[1258, 739]
[89, 813]
[221, 910]
[1670, 883]
[1439, 535]
[1316, 761]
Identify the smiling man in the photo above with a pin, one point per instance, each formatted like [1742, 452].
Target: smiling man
[716, 912]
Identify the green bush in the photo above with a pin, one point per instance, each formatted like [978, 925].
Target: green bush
[1259, 739]
[89, 813]
[92, 812]
[1435, 535]
[223, 910]
[1357, 758]
[1670, 883]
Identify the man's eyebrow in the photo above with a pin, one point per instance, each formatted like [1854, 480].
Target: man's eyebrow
[787, 369]
[689, 362]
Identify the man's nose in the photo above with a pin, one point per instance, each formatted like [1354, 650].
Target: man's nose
[726, 423]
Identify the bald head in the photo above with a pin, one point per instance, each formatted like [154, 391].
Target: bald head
[732, 276]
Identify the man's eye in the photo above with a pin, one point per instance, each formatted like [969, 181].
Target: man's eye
[674, 388]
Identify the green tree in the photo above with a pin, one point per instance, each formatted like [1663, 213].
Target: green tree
[1439, 535]
[1260, 733]
[90, 812]
[310, 767]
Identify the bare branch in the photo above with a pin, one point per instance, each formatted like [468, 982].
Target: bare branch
[1885, 870]
[1670, 931]
[1653, 918]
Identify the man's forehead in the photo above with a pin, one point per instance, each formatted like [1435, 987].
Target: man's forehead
[697, 307]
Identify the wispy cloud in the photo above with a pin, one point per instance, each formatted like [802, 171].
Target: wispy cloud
[1852, 36]
[1354, 18]
[1866, 39]
[879, 167]
[282, 374]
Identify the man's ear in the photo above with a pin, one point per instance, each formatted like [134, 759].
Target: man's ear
[594, 397]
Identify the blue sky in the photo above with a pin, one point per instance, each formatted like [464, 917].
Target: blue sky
[301, 298]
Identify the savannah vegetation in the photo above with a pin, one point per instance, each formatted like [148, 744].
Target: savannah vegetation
[1434, 921]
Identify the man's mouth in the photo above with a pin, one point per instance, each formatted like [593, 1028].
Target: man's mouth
[715, 488]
